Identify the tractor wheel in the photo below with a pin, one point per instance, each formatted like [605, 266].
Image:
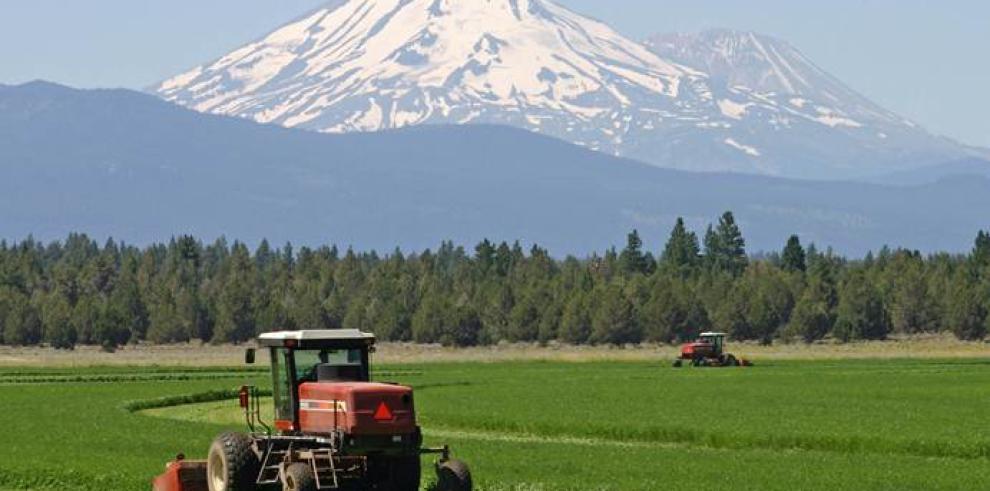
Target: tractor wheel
[678, 363]
[453, 475]
[299, 477]
[232, 464]
[731, 361]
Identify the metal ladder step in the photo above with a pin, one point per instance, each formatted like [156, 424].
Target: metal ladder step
[270, 472]
[322, 473]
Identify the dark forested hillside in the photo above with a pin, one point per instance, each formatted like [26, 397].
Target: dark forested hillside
[123, 164]
[77, 291]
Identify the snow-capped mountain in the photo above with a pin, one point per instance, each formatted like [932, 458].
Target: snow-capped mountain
[783, 102]
[719, 101]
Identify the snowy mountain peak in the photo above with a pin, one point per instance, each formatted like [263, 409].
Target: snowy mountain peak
[399, 62]
[721, 100]
[744, 58]
[764, 64]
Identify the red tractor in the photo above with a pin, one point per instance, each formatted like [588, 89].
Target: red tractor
[333, 427]
[709, 351]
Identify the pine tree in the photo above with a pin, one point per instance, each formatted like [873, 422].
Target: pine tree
[912, 308]
[485, 256]
[166, 326]
[725, 248]
[575, 323]
[524, 319]
[503, 259]
[428, 323]
[631, 259]
[733, 313]
[793, 258]
[550, 322]
[22, 326]
[861, 313]
[664, 318]
[769, 304]
[811, 319]
[462, 327]
[308, 310]
[86, 319]
[494, 302]
[127, 301]
[613, 320]
[966, 314]
[981, 251]
[235, 312]
[682, 250]
[56, 321]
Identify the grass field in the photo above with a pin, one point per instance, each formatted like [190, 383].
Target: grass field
[549, 425]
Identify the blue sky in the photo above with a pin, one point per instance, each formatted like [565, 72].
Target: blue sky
[927, 60]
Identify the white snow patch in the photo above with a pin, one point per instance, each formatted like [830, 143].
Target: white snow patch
[748, 150]
[733, 109]
[834, 121]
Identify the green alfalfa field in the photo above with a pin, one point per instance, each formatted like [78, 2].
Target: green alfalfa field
[550, 425]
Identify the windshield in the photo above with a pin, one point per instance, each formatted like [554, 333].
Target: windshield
[329, 364]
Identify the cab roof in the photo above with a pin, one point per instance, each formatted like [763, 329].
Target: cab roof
[327, 338]
[713, 334]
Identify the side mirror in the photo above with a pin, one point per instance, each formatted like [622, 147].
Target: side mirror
[249, 356]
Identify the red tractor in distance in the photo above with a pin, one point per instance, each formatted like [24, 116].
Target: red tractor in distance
[333, 428]
[709, 351]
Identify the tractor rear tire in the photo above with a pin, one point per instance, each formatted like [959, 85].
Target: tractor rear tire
[299, 477]
[453, 475]
[232, 464]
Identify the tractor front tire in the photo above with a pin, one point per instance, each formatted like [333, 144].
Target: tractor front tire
[299, 477]
[731, 361]
[232, 464]
[453, 475]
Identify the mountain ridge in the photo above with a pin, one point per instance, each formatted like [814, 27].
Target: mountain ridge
[128, 165]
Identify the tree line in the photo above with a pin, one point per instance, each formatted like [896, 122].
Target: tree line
[76, 292]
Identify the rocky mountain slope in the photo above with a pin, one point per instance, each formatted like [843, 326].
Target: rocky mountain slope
[718, 101]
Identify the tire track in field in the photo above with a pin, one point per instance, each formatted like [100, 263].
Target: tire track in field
[532, 438]
[502, 437]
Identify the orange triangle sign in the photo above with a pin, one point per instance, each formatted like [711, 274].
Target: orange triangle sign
[383, 413]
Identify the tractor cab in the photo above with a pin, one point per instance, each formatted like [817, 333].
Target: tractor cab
[714, 339]
[708, 345]
[321, 385]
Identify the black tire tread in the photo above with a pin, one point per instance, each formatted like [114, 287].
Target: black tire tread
[242, 463]
[454, 475]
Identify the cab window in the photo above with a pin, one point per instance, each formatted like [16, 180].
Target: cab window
[281, 384]
[330, 365]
